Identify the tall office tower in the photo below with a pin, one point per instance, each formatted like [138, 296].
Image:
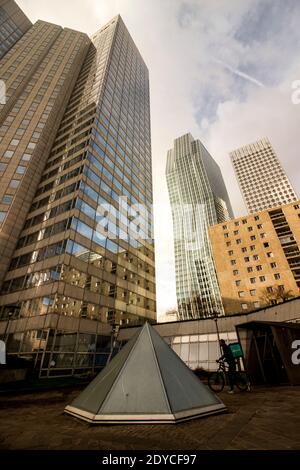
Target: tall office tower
[84, 252]
[262, 180]
[13, 25]
[198, 198]
[39, 72]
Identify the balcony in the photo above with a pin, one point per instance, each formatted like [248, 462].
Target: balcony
[291, 254]
[294, 265]
[287, 240]
[280, 224]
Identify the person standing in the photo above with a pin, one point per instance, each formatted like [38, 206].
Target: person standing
[228, 357]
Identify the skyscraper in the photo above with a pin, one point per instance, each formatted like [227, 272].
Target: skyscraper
[199, 199]
[13, 24]
[85, 251]
[262, 180]
[39, 73]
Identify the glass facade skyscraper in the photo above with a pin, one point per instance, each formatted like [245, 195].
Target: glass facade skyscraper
[84, 254]
[199, 199]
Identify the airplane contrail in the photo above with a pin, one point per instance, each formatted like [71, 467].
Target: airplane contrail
[239, 73]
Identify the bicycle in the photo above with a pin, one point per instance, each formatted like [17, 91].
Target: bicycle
[218, 379]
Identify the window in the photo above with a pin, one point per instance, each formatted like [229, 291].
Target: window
[3, 166]
[245, 306]
[236, 232]
[228, 243]
[270, 254]
[14, 142]
[266, 245]
[244, 221]
[238, 283]
[297, 206]
[256, 304]
[7, 199]
[241, 293]
[21, 170]
[256, 217]
[255, 257]
[262, 278]
[250, 269]
[277, 276]
[8, 153]
[270, 290]
[31, 145]
[226, 235]
[233, 262]
[235, 272]
[26, 157]
[14, 184]
[253, 237]
[252, 280]
[238, 241]
[236, 224]
[252, 248]
[250, 229]
[224, 227]
[2, 216]
[259, 226]
[246, 259]
[259, 267]
[244, 249]
[263, 235]
[273, 265]
[253, 292]
[230, 253]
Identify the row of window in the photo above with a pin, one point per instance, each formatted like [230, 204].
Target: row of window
[253, 280]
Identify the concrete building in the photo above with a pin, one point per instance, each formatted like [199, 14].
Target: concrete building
[13, 25]
[198, 199]
[257, 258]
[262, 180]
[39, 72]
[76, 220]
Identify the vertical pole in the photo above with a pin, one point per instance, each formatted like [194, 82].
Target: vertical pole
[215, 317]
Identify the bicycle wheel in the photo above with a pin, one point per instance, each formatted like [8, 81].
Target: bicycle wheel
[242, 381]
[216, 381]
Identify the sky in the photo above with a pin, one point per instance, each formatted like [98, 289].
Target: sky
[223, 70]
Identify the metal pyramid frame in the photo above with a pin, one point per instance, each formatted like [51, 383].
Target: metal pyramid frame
[146, 382]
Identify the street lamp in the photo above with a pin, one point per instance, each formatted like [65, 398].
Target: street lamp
[215, 316]
[6, 328]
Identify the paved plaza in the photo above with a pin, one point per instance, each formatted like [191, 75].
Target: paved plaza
[266, 418]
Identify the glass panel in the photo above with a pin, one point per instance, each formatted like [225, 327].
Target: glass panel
[194, 338]
[184, 353]
[176, 339]
[203, 351]
[194, 348]
[61, 360]
[65, 341]
[185, 339]
[214, 350]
